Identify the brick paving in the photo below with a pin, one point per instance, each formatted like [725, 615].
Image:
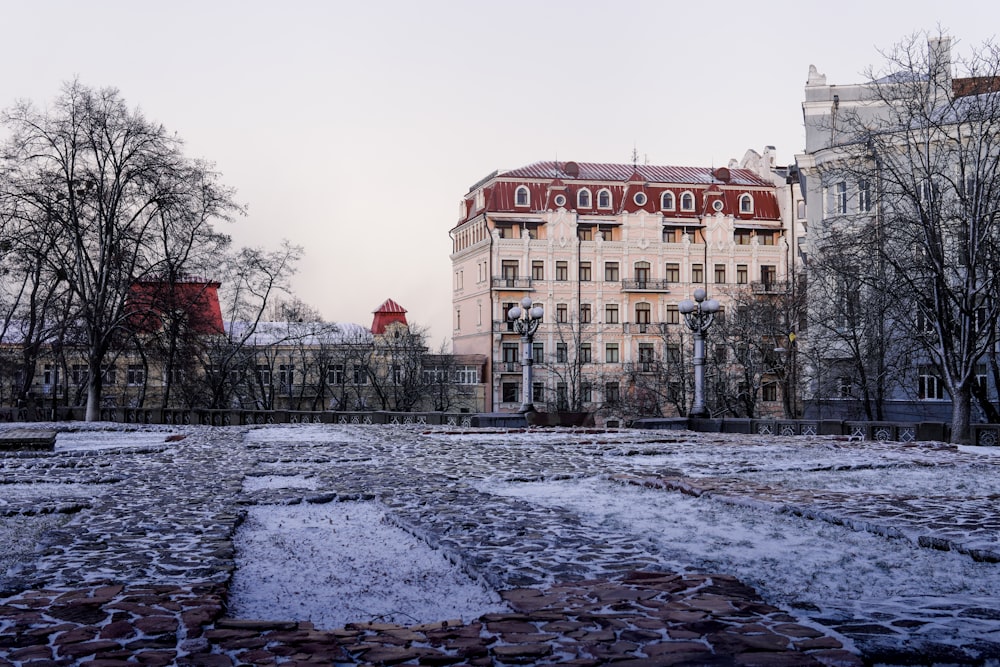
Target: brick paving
[138, 573]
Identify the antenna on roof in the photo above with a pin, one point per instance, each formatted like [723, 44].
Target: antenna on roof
[635, 156]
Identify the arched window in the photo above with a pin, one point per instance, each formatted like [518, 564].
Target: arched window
[667, 201]
[687, 202]
[583, 198]
[521, 196]
[746, 203]
[604, 199]
[641, 272]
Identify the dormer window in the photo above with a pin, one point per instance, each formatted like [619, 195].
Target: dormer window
[746, 203]
[521, 196]
[687, 202]
[583, 198]
[639, 198]
[604, 199]
[667, 201]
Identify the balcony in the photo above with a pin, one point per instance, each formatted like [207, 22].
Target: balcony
[508, 366]
[646, 286]
[521, 284]
[643, 327]
[642, 367]
[770, 287]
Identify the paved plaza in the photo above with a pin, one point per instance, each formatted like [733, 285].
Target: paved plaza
[126, 551]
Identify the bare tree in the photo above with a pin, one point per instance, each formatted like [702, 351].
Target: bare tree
[117, 193]
[929, 145]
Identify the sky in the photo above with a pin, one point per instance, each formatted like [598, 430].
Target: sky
[354, 129]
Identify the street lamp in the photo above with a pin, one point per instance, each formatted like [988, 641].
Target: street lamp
[526, 319]
[698, 315]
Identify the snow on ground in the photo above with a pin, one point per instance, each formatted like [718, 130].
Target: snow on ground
[790, 560]
[105, 439]
[341, 562]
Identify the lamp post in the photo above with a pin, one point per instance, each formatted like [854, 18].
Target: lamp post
[526, 319]
[698, 315]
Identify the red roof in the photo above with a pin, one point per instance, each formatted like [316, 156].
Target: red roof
[388, 313]
[632, 188]
[196, 300]
[651, 173]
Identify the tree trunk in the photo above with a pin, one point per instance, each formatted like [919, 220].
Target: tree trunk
[93, 396]
[961, 410]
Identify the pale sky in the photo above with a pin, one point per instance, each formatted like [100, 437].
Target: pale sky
[355, 128]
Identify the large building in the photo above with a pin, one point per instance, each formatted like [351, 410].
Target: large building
[902, 191]
[608, 250]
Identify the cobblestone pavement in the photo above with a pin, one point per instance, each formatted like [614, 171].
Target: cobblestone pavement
[139, 569]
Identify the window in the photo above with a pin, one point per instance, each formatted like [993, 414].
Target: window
[645, 353]
[561, 353]
[800, 209]
[844, 385]
[586, 392]
[667, 201]
[697, 273]
[560, 200]
[641, 273]
[50, 375]
[538, 351]
[673, 314]
[673, 351]
[720, 273]
[79, 373]
[611, 272]
[537, 270]
[741, 274]
[766, 238]
[928, 191]
[510, 392]
[611, 313]
[673, 272]
[585, 353]
[768, 275]
[467, 375]
[583, 198]
[769, 392]
[335, 374]
[742, 236]
[506, 312]
[687, 202]
[286, 375]
[562, 270]
[585, 271]
[642, 316]
[360, 375]
[611, 393]
[611, 353]
[264, 374]
[585, 233]
[746, 203]
[930, 386]
[639, 198]
[562, 396]
[585, 315]
[537, 392]
[604, 198]
[864, 196]
[562, 314]
[509, 269]
[135, 375]
[509, 351]
[521, 196]
[840, 198]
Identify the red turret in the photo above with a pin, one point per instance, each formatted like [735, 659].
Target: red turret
[388, 313]
[194, 299]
